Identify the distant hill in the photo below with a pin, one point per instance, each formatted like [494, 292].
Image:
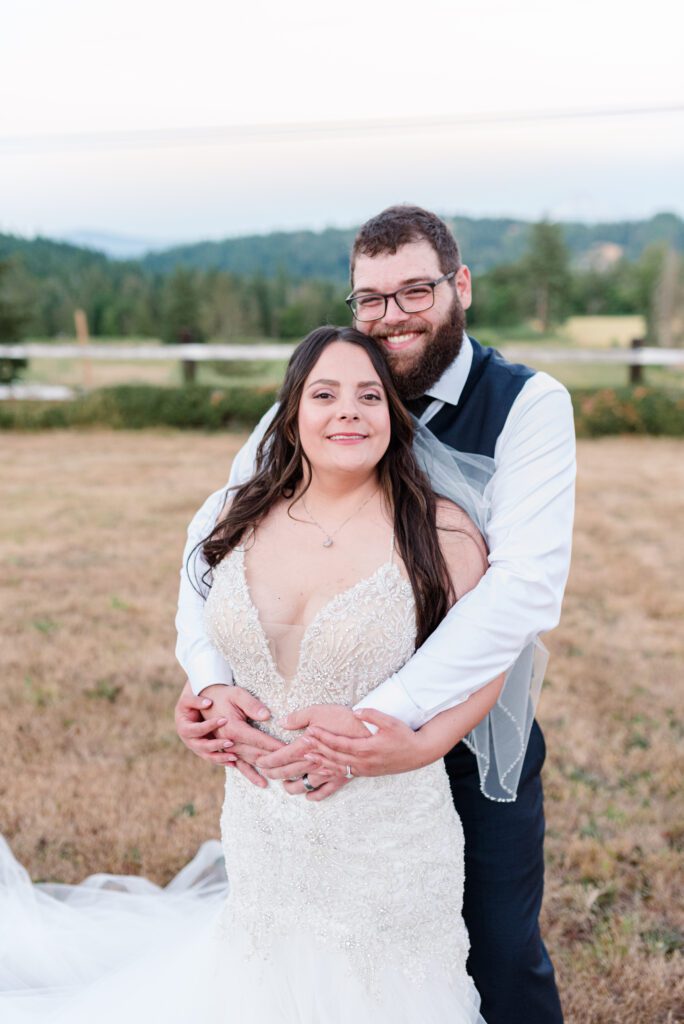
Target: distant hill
[44, 256]
[301, 254]
[119, 247]
[485, 242]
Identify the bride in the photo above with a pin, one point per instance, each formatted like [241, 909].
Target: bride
[327, 569]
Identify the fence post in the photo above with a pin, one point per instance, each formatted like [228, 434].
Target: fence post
[83, 338]
[188, 366]
[636, 370]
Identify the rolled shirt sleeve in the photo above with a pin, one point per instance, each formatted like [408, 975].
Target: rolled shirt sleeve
[529, 538]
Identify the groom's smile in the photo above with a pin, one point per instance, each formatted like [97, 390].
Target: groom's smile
[398, 340]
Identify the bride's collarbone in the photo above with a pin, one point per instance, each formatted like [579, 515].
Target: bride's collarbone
[292, 583]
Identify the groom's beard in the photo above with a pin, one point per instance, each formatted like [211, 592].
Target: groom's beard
[414, 373]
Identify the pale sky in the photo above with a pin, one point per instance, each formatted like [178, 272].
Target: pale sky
[92, 69]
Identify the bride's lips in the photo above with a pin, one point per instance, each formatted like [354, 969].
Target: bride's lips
[346, 438]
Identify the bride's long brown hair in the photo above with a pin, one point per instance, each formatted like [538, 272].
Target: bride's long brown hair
[406, 490]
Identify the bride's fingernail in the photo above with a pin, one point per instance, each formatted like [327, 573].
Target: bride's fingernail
[310, 757]
[222, 721]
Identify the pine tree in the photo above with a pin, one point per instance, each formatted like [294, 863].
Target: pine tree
[12, 321]
[182, 323]
[547, 267]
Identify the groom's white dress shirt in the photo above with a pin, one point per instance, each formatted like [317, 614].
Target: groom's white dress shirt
[529, 540]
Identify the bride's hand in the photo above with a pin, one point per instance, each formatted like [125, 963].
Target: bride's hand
[290, 762]
[226, 737]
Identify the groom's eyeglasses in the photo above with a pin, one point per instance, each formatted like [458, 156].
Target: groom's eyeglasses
[412, 298]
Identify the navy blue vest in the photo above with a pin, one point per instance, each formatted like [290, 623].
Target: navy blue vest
[491, 387]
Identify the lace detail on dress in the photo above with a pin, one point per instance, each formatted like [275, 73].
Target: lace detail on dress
[337, 663]
[375, 871]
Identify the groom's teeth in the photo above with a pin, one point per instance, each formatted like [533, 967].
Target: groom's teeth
[403, 336]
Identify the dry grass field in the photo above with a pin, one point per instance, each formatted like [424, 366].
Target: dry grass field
[602, 331]
[94, 779]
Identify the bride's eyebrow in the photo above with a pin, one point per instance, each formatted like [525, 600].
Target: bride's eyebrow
[332, 383]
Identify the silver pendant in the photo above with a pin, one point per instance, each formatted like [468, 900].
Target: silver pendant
[327, 543]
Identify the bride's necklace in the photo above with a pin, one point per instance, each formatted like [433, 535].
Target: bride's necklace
[328, 542]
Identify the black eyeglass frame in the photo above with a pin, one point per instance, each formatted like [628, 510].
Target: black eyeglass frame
[351, 298]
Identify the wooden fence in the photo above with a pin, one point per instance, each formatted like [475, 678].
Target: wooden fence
[634, 358]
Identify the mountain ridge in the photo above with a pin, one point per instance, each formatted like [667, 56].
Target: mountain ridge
[485, 242]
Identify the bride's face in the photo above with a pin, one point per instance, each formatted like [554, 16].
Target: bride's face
[343, 419]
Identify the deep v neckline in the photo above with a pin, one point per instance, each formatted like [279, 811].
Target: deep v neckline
[263, 637]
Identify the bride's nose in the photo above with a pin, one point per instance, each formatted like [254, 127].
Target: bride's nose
[347, 408]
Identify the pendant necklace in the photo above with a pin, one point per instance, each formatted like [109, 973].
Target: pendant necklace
[328, 542]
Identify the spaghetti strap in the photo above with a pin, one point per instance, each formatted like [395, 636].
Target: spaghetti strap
[391, 552]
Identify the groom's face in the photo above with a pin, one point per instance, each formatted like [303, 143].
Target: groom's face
[418, 346]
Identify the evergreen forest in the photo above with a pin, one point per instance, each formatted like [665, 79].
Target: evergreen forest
[282, 284]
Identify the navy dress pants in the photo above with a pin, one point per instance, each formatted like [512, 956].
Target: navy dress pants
[504, 883]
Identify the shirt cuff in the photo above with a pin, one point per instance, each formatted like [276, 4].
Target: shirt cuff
[392, 699]
[209, 669]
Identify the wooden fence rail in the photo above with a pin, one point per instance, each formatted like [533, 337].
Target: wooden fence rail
[168, 353]
[634, 358]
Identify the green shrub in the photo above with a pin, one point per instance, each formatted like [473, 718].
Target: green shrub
[638, 410]
[135, 407]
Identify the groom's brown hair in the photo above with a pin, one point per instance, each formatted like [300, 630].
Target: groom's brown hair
[400, 225]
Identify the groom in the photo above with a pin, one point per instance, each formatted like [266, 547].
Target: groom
[475, 401]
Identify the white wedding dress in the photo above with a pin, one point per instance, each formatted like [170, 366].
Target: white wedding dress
[346, 911]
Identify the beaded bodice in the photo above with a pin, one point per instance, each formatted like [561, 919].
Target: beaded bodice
[355, 641]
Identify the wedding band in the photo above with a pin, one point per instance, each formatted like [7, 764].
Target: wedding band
[348, 773]
[307, 785]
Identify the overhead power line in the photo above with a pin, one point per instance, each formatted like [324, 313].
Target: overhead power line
[219, 135]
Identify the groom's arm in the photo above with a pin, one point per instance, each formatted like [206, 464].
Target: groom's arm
[203, 664]
[227, 737]
[529, 538]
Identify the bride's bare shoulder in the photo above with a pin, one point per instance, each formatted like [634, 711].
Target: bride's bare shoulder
[462, 544]
[454, 519]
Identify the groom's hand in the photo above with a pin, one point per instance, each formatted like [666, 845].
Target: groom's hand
[215, 726]
[394, 748]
